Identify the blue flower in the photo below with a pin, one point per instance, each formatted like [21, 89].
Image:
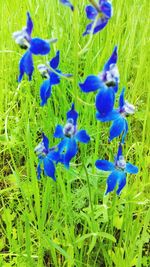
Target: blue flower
[36, 46]
[118, 116]
[67, 3]
[52, 75]
[118, 169]
[99, 13]
[70, 136]
[47, 156]
[106, 83]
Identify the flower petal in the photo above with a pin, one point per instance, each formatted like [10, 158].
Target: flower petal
[119, 153]
[91, 12]
[104, 165]
[121, 99]
[71, 151]
[105, 100]
[88, 29]
[26, 66]
[67, 3]
[67, 149]
[54, 78]
[49, 168]
[29, 27]
[39, 46]
[59, 132]
[121, 182]
[106, 8]
[62, 145]
[45, 91]
[101, 23]
[55, 60]
[91, 83]
[117, 128]
[72, 114]
[113, 115]
[112, 181]
[82, 136]
[112, 60]
[53, 155]
[130, 168]
[45, 141]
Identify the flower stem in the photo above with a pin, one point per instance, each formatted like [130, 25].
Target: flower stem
[85, 48]
[93, 2]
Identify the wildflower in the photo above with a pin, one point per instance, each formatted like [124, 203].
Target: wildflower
[36, 46]
[47, 156]
[118, 116]
[99, 13]
[52, 75]
[106, 83]
[70, 136]
[67, 3]
[119, 170]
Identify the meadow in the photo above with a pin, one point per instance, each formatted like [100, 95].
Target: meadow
[71, 222]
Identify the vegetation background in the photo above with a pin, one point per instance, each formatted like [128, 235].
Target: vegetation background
[52, 224]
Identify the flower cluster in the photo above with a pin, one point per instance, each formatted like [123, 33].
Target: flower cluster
[65, 150]
[106, 83]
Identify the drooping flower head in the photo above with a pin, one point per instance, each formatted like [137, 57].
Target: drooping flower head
[118, 169]
[70, 136]
[106, 83]
[118, 116]
[99, 13]
[52, 75]
[47, 156]
[36, 46]
[67, 3]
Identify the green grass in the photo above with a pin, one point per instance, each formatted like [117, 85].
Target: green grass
[52, 224]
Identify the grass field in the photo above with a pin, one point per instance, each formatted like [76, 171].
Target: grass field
[71, 222]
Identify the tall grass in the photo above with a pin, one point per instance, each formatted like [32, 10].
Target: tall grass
[52, 224]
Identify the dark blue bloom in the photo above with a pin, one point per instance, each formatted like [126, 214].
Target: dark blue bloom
[67, 3]
[52, 75]
[36, 46]
[70, 136]
[47, 156]
[118, 116]
[106, 83]
[99, 13]
[118, 169]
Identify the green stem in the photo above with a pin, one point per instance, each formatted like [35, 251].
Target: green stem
[93, 2]
[85, 48]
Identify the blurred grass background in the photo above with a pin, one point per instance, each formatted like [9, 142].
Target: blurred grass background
[51, 224]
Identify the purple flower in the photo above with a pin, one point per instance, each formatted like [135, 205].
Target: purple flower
[52, 75]
[118, 169]
[99, 13]
[106, 83]
[70, 136]
[118, 116]
[47, 156]
[36, 46]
